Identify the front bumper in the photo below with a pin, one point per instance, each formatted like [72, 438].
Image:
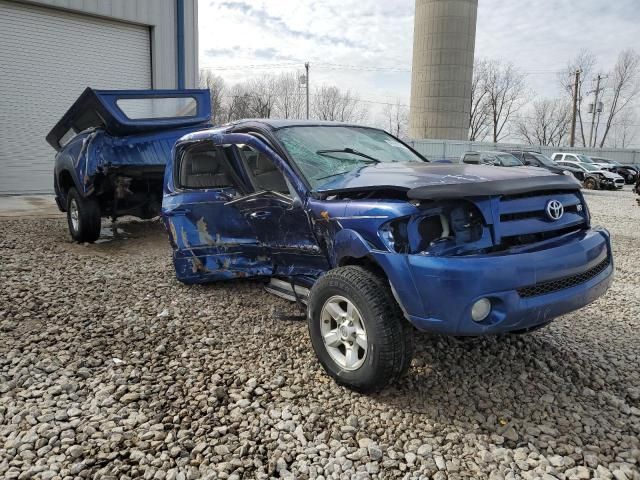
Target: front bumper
[436, 293]
[610, 183]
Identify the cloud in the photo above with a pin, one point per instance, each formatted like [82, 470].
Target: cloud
[268, 21]
[539, 37]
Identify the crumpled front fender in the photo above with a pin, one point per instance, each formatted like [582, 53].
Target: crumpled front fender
[348, 244]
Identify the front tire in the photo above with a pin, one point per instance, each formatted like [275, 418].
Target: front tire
[83, 217]
[591, 184]
[357, 329]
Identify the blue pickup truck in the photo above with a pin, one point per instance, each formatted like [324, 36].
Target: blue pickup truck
[362, 231]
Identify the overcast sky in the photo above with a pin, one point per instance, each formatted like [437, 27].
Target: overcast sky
[345, 41]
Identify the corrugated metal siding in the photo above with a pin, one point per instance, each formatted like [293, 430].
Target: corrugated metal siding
[48, 58]
[160, 14]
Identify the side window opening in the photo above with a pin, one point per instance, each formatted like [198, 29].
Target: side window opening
[263, 173]
[206, 167]
[472, 158]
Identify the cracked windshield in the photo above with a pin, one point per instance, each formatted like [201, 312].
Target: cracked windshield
[326, 153]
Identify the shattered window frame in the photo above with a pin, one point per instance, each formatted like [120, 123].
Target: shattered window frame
[221, 153]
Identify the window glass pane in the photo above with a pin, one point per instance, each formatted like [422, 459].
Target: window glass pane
[508, 160]
[264, 174]
[204, 167]
[164, 107]
[67, 137]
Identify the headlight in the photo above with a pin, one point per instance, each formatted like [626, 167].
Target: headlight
[567, 172]
[386, 234]
[394, 235]
[437, 227]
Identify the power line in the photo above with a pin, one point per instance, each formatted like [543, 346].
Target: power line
[343, 66]
[394, 104]
[257, 66]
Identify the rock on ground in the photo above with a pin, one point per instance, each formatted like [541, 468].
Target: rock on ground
[110, 368]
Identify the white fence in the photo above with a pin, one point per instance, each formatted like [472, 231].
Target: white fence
[453, 150]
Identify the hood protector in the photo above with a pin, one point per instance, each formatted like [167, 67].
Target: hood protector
[438, 180]
[494, 187]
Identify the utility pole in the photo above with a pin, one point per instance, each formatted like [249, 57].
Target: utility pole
[595, 107]
[575, 109]
[306, 66]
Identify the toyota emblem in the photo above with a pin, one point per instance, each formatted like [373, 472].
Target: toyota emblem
[554, 210]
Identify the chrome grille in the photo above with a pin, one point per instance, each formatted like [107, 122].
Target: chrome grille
[523, 219]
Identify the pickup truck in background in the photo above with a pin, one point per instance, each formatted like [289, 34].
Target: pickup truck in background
[112, 148]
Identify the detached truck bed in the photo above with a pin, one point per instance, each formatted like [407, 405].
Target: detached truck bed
[112, 148]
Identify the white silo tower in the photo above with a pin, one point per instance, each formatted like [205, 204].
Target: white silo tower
[443, 45]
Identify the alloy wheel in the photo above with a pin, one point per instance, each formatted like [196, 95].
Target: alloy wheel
[343, 332]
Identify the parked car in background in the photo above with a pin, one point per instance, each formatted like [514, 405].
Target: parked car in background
[537, 159]
[629, 173]
[606, 179]
[531, 158]
[498, 159]
[581, 158]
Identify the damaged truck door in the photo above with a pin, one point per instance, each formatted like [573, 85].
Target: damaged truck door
[233, 212]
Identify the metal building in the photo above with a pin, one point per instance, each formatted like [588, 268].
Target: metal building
[51, 50]
[443, 46]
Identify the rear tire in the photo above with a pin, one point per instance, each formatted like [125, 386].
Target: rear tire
[83, 217]
[351, 309]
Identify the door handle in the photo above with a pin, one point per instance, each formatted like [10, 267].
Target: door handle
[259, 214]
[177, 211]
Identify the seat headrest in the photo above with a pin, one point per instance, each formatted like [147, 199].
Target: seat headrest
[204, 162]
[264, 164]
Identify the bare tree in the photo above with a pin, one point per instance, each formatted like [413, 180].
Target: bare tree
[479, 112]
[290, 99]
[585, 61]
[264, 94]
[505, 90]
[624, 87]
[395, 118]
[547, 123]
[216, 86]
[330, 103]
[624, 131]
[239, 103]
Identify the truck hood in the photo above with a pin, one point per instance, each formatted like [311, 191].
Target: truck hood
[431, 181]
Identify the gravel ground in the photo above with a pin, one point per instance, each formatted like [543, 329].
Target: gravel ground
[110, 368]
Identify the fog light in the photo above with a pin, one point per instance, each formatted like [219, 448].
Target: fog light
[481, 309]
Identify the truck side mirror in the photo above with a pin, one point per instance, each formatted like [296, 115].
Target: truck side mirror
[296, 203]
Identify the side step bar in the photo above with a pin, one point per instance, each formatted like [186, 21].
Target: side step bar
[283, 289]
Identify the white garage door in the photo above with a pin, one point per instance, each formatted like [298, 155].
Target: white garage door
[47, 58]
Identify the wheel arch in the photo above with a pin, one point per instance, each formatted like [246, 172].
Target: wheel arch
[65, 181]
[350, 248]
